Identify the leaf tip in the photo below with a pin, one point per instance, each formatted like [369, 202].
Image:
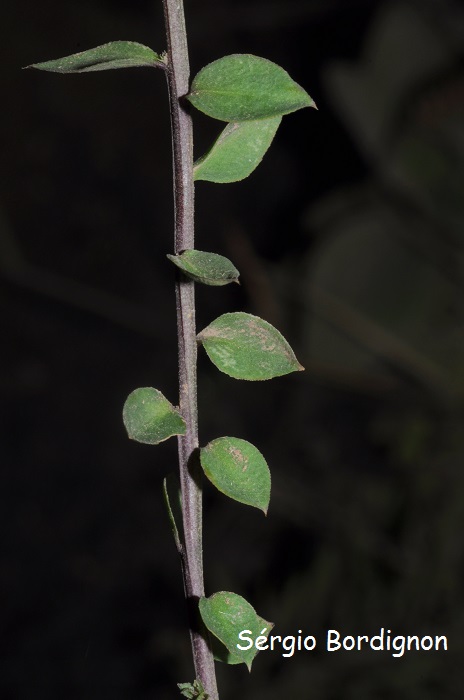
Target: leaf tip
[34, 66]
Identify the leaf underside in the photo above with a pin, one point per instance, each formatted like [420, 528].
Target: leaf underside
[238, 469]
[247, 347]
[238, 150]
[115, 54]
[227, 614]
[242, 87]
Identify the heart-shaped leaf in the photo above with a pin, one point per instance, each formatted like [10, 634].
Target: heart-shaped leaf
[226, 615]
[150, 418]
[116, 54]
[247, 347]
[238, 470]
[241, 87]
[207, 268]
[238, 151]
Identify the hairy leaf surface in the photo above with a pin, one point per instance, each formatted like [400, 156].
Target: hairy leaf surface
[238, 469]
[247, 347]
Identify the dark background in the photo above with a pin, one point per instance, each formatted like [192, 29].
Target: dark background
[349, 238]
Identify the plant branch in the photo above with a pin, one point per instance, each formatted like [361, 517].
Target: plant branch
[178, 73]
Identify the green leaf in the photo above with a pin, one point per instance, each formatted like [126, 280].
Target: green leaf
[238, 151]
[150, 418]
[226, 615]
[171, 494]
[239, 470]
[116, 54]
[193, 691]
[241, 87]
[247, 347]
[207, 268]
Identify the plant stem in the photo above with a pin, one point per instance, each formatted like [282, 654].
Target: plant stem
[178, 73]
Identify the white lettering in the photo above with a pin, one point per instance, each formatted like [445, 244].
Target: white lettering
[349, 643]
[426, 647]
[384, 641]
[312, 642]
[261, 642]
[398, 644]
[379, 637]
[291, 648]
[333, 643]
[243, 638]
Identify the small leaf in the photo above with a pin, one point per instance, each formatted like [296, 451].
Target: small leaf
[193, 691]
[238, 151]
[150, 418]
[171, 494]
[239, 470]
[207, 268]
[241, 87]
[247, 347]
[226, 615]
[116, 54]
